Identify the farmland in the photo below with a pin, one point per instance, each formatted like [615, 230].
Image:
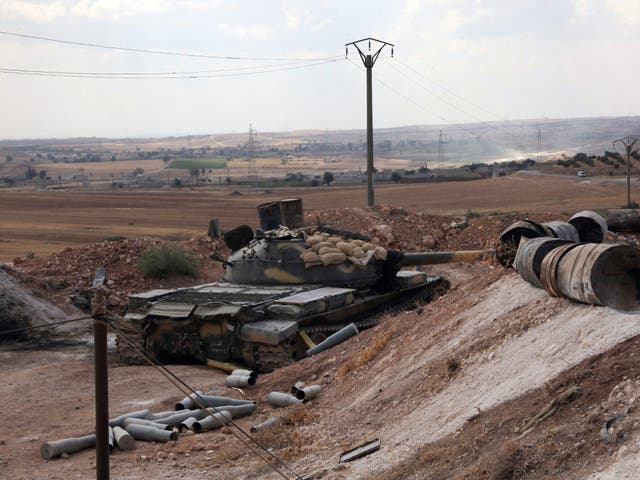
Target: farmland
[45, 222]
[189, 163]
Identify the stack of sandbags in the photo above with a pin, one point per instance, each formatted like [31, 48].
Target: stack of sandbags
[325, 249]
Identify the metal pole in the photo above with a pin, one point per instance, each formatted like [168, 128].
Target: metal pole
[101, 375]
[102, 399]
[369, 65]
[628, 176]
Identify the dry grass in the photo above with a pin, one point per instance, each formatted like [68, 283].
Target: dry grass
[364, 356]
[509, 462]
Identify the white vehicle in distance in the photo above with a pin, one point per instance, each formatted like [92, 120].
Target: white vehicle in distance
[582, 174]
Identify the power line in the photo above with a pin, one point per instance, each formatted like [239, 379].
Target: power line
[203, 405]
[154, 52]
[452, 105]
[50, 73]
[44, 326]
[449, 90]
[165, 73]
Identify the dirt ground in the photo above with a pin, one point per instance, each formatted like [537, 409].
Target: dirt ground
[45, 222]
[493, 380]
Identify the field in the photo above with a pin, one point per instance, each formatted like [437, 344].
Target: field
[101, 168]
[188, 163]
[45, 222]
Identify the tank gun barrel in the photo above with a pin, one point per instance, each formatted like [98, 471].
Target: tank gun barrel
[434, 258]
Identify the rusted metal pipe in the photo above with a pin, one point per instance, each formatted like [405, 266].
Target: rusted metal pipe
[308, 393]
[591, 226]
[212, 422]
[333, 340]
[150, 434]
[279, 399]
[117, 422]
[149, 423]
[239, 381]
[123, 439]
[549, 267]
[187, 403]
[563, 230]
[531, 253]
[266, 425]
[224, 366]
[50, 450]
[523, 228]
[601, 274]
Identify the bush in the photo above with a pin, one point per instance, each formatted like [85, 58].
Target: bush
[166, 261]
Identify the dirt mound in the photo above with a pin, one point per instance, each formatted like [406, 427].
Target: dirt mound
[397, 228]
[71, 271]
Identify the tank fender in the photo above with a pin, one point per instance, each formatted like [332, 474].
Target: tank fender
[272, 332]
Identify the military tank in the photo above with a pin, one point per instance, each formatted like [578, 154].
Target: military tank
[285, 288]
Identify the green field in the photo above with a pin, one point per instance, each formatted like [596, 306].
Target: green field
[189, 163]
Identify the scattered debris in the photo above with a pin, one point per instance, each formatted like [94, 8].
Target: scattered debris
[360, 451]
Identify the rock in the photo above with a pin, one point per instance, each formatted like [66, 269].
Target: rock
[429, 242]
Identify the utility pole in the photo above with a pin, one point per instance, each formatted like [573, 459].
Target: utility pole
[539, 146]
[440, 151]
[369, 60]
[628, 143]
[101, 375]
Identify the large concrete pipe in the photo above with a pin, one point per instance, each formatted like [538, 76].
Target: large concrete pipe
[245, 373]
[549, 267]
[308, 393]
[54, 449]
[215, 401]
[601, 274]
[187, 403]
[563, 230]
[239, 381]
[591, 227]
[266, 425]
[279, 399]
[333, 340]
[531, 252]
[149, 423]
[150, 434]
[123, 439]
[236, 411]
[212, 422]
[117, 422]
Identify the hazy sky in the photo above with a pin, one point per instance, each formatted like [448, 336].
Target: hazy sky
[508, 59]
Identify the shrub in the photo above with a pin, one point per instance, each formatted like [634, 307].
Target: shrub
[114, 238]
[166, 261]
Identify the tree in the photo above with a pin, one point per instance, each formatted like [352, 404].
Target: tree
[327, 178]
[9, 158]
[177, 182]
[195, 172]
[395, 177]
[138, 171]
[42, 174]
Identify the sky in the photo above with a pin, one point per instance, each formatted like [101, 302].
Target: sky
[454, 61]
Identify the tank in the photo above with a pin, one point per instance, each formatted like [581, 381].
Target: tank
[284, 289]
